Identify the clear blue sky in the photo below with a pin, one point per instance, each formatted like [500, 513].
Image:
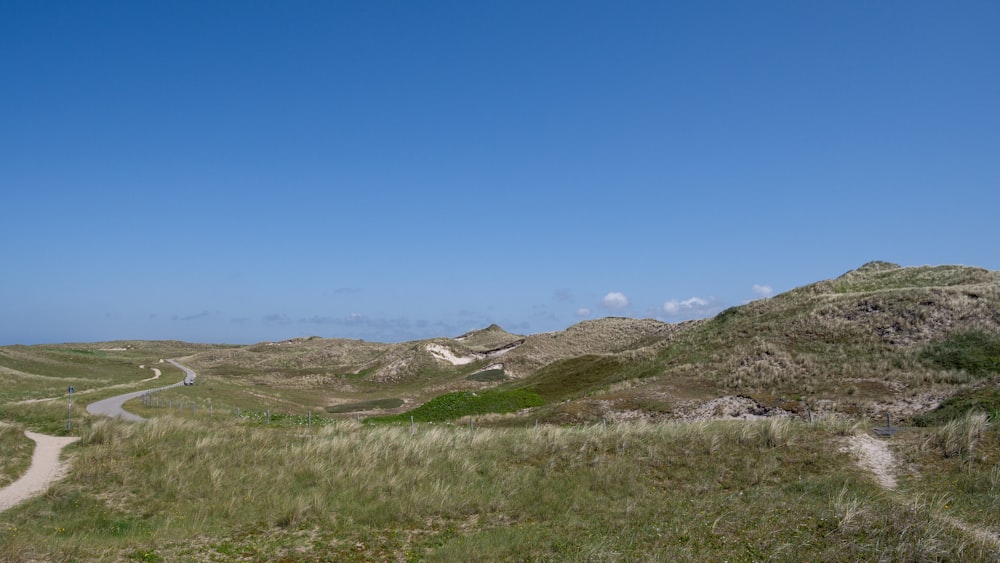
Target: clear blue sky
[243, 171]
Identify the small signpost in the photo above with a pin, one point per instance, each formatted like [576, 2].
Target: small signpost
[69, 409]
[888, 430]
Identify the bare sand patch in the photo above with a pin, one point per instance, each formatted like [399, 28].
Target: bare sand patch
[444, 354]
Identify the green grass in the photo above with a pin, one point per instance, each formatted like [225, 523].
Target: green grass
[17, 449]
[451, 406]
[37, 372]
[372, 404]
[176, 489]
[977, 352]
[955, 463]
[985, 400]
[487, 376]
[577, 376]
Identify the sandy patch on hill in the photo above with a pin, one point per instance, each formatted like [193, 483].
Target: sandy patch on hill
[444, 354]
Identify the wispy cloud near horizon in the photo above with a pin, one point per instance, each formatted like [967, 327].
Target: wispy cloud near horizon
[194, 317]
[691, 307]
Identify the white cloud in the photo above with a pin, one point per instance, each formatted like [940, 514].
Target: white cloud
[675, 308]
[583, 312]
[614, 300]
[763, 290]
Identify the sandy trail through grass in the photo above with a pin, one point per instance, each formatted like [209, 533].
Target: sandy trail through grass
[875, 456]
[156, 375]
[44, 470]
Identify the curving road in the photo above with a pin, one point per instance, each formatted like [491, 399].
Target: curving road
[112, 406]
[46, 467]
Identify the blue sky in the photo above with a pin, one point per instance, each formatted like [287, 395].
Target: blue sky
[248, 171]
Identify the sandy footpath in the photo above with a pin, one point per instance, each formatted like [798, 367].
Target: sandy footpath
[156, 375]
[873, 454]
[45, 469]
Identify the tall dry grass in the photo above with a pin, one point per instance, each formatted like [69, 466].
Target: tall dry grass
[193, 489]
[958, 438]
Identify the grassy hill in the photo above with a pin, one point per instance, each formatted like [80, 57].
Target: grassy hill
[861, 344]
[857, 345]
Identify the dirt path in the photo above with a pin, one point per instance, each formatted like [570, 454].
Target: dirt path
[875, 456]
[45, 469]
[156, 375]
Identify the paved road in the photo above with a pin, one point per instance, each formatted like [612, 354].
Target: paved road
[112, 406]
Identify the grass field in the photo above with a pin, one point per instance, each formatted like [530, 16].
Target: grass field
[222, 490]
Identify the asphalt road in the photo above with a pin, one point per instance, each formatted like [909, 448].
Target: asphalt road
[112, 406]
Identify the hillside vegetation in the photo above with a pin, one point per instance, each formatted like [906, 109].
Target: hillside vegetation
[874, 340]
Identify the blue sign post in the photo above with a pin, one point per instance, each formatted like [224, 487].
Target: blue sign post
[69, 410]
